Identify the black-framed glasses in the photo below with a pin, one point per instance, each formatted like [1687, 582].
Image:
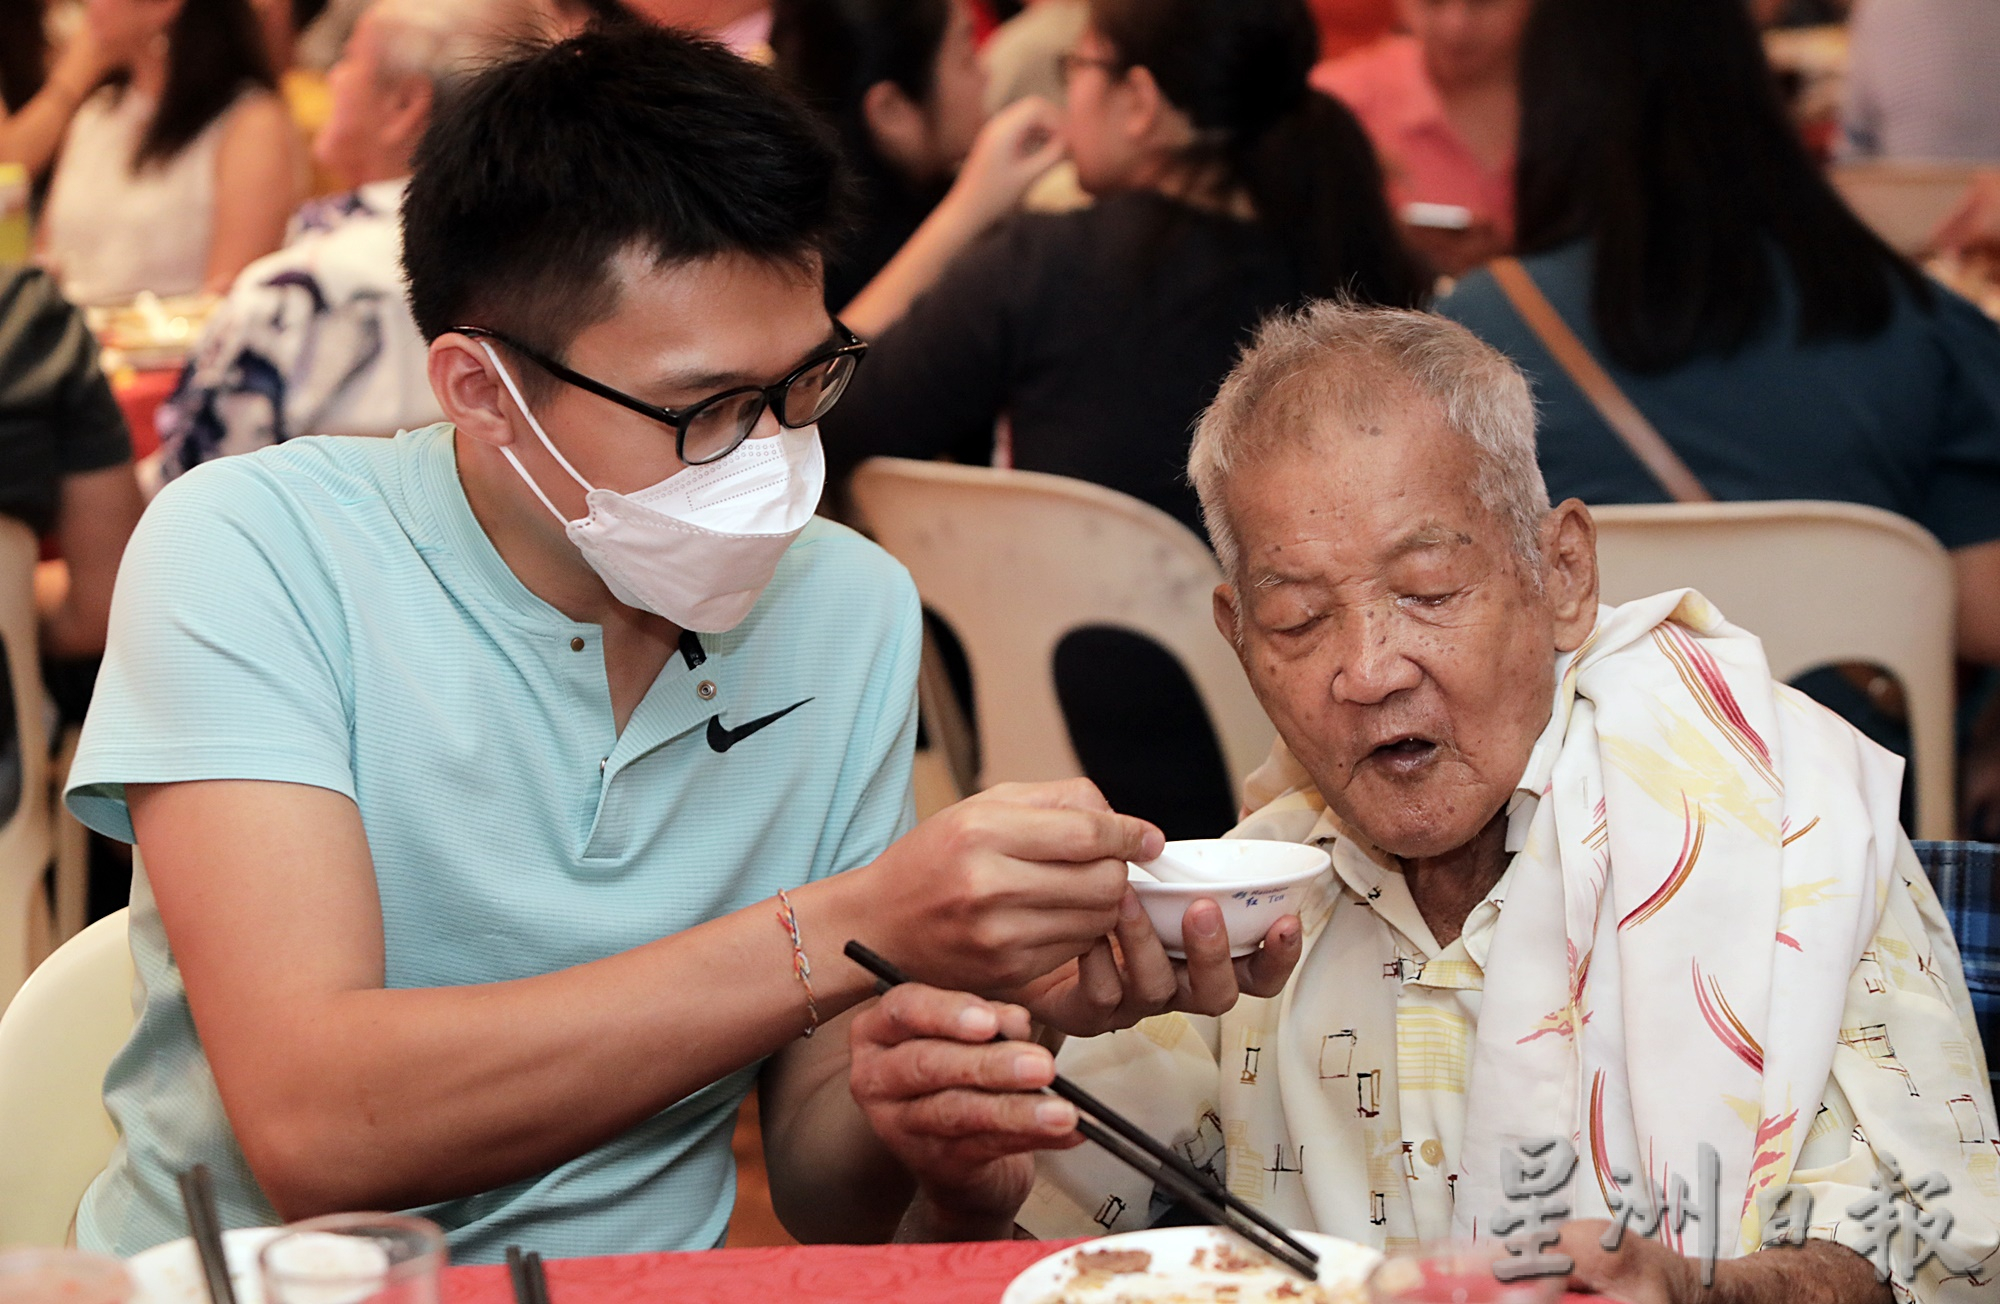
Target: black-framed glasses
[711, 429]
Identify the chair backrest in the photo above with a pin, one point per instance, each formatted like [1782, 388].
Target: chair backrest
[56, 1040]
[1819, 583]
[24, 836]
[1014, 560]
[1903, 202]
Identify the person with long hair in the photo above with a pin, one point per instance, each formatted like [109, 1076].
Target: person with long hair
[1226, 188]
[1668, 212]
[182, 169]
[900, 82]
[40, 88]
[1441, 104]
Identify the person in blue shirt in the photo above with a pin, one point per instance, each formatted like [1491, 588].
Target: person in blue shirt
[506, 790]
[1669, 213]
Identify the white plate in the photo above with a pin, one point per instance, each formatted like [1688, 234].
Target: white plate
[171, 1273]
[1343, 1267]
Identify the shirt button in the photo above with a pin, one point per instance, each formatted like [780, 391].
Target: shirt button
[705, 690]
[1432, 1152]
[576, 645]
[602, 762]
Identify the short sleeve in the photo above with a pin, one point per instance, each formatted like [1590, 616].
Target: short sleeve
[226, 656]
[877, 797]
[1962, 505]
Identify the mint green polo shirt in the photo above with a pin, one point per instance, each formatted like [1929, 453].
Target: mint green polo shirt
[329, 612]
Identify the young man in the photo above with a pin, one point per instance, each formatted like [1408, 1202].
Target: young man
[494, 782]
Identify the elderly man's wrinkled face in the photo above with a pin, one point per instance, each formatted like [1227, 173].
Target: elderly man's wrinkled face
[1403, 650]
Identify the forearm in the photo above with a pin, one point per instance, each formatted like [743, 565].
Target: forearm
[1818, 1272]
[926, 1222]
[951, 226]
[1977, 571]
[377, 1098]
[832, 1179]
[32, 136]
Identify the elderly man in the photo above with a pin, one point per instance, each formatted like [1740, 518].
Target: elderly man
[1598, 881]
[316, 339]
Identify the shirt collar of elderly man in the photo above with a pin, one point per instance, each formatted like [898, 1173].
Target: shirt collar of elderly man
[1598, 879]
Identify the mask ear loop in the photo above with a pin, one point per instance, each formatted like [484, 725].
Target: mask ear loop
[507, 379]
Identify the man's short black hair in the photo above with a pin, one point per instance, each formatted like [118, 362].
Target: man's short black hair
[540, 170]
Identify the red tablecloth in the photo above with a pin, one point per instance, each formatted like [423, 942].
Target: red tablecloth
[814, 1274]
[139, 395]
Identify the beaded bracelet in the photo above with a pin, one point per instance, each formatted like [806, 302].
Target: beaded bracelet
[801, 967]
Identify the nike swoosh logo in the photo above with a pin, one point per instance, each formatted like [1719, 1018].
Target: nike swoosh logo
[721, 738]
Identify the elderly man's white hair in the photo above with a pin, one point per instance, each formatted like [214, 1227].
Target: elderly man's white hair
[1332, 365]
[447, 41]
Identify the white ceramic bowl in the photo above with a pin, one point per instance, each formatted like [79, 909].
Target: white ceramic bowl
[1256, 883]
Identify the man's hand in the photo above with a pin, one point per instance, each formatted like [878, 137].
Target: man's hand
[1109, 987]
[963, 1113]
[1003, 887]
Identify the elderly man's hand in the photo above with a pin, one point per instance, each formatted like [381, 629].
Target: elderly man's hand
[1640, 1270]
[962, 1112]
[1109, 987]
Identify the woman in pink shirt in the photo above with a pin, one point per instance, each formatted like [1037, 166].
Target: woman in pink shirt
[1443, 108]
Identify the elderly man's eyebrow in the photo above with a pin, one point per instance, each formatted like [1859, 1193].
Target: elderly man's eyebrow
[1425, 538]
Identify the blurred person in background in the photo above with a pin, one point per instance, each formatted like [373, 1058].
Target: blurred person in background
[900, 82]
[65, 471]
[1225, 188]
[316, 339]
[1443, 106]
[182, 170]
[742, 25]
[1668, 213]
[1023, 57]
[40, 89]
[1923, 81]
[1350, 24]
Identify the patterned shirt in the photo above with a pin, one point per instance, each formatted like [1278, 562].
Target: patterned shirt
[315, 339]
[1344, 1105]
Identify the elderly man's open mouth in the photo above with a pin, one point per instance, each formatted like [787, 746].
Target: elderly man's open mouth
[1403, 754]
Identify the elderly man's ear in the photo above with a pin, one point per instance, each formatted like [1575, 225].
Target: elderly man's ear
[1569, 572]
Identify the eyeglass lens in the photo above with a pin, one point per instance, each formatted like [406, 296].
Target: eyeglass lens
[718, 428]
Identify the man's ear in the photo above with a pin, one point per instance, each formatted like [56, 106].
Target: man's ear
[1569, 572]
[1146, 107]
[898, 127]
[1228, 620]
[469, 390]
[410, 112]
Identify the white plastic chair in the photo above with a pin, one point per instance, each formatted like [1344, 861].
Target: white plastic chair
[1014, 560]
[56, 1040]
[1903, 202]
[1819, 583]
[25, 837]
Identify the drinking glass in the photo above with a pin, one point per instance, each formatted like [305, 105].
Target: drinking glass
[345, 1258]
[1455, 1273]
[62, 1277]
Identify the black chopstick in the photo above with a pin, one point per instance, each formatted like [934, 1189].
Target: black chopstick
[525, 1275]
[205, 1226]
[1133, 1145]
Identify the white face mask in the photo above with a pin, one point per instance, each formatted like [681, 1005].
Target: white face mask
[699, 547]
